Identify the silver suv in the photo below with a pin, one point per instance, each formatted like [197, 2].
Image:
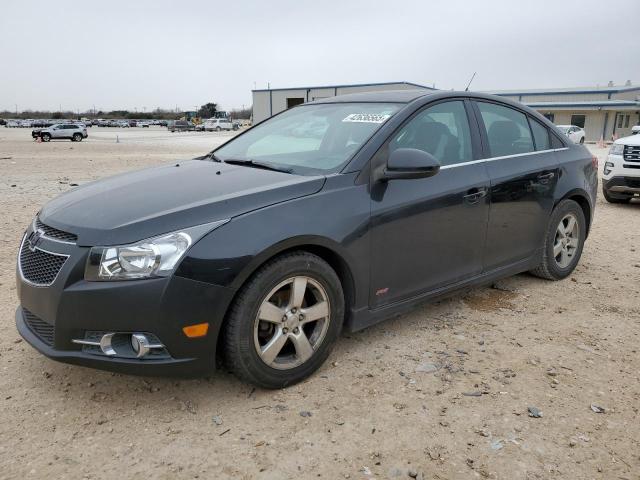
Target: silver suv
[72, 131]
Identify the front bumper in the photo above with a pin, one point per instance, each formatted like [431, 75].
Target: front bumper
[71, 306]
[622, 185]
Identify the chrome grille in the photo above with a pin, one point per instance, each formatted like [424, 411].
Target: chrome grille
[56, 234]
[42, 329]
[39, 267]
[631, 153]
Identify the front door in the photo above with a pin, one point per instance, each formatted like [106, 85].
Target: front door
[58, 131]
[428, 233]
[524, 172]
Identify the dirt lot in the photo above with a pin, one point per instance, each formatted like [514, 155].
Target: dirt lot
[442, 392]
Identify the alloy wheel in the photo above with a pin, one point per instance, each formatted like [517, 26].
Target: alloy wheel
[292, 322]
[566, 241]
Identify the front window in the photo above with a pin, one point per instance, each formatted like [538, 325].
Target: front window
[441, 130]
[563, 129]
[311, 138]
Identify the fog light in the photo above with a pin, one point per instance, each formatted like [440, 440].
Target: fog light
[607, 168]
[140, 344]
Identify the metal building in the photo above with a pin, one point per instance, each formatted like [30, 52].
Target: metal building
[604, 112]
[268, 102]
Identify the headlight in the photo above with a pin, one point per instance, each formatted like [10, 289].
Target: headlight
[616, 149]
[154, 257]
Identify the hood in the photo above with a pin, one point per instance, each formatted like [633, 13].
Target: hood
[630, 140]
[138, 205]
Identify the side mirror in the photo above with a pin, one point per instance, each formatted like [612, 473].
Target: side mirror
[410, 163]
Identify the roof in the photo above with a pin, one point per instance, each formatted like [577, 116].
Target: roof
[569, 90]
[346, 86]
[391, 96]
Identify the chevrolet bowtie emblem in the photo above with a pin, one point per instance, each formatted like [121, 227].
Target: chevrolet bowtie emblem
[34, 238]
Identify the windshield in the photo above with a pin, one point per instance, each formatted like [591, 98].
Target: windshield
[310, 139]
[563, 128]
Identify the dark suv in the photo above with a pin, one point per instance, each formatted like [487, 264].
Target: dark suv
[331, 215]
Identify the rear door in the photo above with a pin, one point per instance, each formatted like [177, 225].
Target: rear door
[428, 233]
[524, 172]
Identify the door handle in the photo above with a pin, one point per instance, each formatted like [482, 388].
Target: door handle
[474, 195]
[545, 177]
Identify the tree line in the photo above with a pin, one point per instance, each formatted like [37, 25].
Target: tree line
[207, 110]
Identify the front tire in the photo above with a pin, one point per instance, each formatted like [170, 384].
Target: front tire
[582, 141]
[46, 137]
[284, 321]
[563, 242]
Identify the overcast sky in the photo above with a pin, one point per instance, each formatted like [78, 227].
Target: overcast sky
[149, 53]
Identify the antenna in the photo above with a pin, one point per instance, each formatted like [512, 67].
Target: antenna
[469, 84]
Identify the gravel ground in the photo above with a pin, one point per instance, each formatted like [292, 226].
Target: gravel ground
[442, 392]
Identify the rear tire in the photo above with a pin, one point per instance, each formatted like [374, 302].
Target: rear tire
[612, 199]
[77, 137]
[46, 137]
[297, 349]
[582, 141]
[563, 242]
[218, 129]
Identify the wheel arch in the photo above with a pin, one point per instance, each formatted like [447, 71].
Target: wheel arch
[322, 247]
[581, 198]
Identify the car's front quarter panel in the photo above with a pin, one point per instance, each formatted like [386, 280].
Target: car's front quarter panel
[335, 219]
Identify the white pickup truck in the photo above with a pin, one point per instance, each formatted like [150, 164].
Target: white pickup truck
[621, 171]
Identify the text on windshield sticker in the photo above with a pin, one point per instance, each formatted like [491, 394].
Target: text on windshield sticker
[366, 118]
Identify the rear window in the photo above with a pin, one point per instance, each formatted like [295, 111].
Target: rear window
[507, 130]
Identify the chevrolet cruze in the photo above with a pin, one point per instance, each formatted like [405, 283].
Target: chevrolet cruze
[332, 215]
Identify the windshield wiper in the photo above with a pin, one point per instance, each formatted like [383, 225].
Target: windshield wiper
[257, 164]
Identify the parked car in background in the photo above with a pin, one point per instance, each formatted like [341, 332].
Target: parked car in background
[621, 171]
[218, 124]
[180, 126]
[163, 123]
[12, 124]
[249, 251]
[200, 127]
[143, 124]
[70, 131]
[26, 124]
[574, 133]
[635, 130]
[123, 123]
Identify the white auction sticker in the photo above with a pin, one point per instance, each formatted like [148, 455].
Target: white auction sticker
[366, 118]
